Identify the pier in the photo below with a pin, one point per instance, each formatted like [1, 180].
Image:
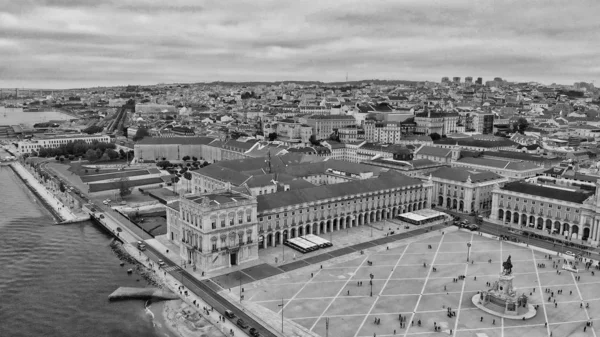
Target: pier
[129, 293]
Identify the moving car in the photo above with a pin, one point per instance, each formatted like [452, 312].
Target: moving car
[240, 322]
[254, 333]
[229, 314]
[472, 227]
[161, 263]
[570, 253]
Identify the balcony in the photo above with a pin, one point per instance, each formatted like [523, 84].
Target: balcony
[215, 250]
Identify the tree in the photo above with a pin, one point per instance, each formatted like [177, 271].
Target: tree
[57, 157]
[61, 187]
[34, 154]
[122, 154]
[435, 136]
[163, 164]
[520, 125]
[112, 154]
[272, 136]
[140, 134]
[93, 129]
[204, 164]
[186, 158]
[187, 175]
[313, 140]
[124, 188]
[194, 159]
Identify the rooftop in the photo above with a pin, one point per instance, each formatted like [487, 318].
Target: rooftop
[216, 199]
[385, 181]
[176, 141]
[461, 175]
[546, 191]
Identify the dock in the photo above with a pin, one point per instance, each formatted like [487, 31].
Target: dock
[129, 293]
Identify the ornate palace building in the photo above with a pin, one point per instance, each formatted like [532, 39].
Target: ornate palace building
[550, 206]
[214, 230]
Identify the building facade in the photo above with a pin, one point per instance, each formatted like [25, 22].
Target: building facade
[382, 132]
[214, 230]
[26, 146]
[557, 207]
[322, 209]
[463, 190]
[324, 126]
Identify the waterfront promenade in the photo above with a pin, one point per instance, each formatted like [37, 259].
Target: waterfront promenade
[64, 212]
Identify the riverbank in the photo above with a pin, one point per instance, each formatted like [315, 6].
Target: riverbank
[183, 317]
[57, 208]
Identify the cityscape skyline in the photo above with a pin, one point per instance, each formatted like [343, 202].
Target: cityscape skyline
[70, 44]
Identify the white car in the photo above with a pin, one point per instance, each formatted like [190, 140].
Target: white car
[570, 253]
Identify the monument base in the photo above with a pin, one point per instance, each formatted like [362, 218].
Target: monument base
[530, 311]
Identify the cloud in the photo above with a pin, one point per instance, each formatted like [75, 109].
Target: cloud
[66, 43]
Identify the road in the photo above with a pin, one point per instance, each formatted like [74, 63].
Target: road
[210, 296]
[498, 230]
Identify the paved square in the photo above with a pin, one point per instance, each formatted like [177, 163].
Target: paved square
[402, 285]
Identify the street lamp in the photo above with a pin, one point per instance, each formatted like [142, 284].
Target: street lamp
[281, 305]
[468, 250]
[371, 283]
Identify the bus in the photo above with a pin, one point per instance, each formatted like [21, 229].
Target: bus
[318, 240]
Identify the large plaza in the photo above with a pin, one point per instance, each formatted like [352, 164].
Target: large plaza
[406, 283]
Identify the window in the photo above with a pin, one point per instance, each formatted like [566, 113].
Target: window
[249, 217]
[231, 222]
[240, 219]
[214, 246]
[214, 224]
[222, 222]
[558, 206]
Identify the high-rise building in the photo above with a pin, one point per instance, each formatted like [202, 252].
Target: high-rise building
[445, 80]
[468, 80]
[456, 80]
[479, 80]
[497, 79]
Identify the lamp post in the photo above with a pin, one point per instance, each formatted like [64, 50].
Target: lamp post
[371, 283]
[468, 250]
[281, 305]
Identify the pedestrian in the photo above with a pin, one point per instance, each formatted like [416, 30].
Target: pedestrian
[348, 292]
[481, 319]
[311, 275]
[555, 304]
[493, 322]
[570, 292]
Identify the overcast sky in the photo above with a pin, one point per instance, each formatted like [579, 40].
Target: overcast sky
[83, 43]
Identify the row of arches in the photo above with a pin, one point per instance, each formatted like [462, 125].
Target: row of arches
[541, 223]
[277, 237]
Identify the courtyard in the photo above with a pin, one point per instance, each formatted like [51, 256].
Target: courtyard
[402, 285]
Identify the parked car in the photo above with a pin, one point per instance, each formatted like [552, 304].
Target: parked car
[161, 263]
[570, 253]
[254, 333]
[240, 322]
[229, 314]
[101, 216]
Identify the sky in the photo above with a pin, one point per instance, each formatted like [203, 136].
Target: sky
[87, 43]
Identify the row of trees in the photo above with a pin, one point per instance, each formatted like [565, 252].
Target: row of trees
[92, 152]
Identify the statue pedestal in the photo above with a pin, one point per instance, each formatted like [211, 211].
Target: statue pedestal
[505, 285]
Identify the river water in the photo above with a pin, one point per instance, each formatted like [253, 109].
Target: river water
[55, 279]
[16, 116]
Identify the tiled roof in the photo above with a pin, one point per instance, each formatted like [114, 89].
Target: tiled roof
[460, 174]
[223, 174]
[501, 164]
[176, 140]
[387, 180]
[434, 151]
[575, 196]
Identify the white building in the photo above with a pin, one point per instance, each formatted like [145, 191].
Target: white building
[214, 230]
[26, 146]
